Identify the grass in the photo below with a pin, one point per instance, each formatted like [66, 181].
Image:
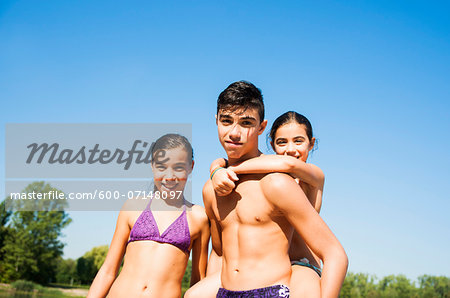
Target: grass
[67, 286]
[26, 289]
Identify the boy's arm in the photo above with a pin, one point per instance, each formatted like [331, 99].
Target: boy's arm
[283, 192]
[306, 172]
[216, 232]
[200, 245]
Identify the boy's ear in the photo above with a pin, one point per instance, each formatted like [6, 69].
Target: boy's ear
[262, 126]
[192, 167]
[216, 119]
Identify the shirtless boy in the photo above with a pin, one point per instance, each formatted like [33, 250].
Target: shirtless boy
[253, 225]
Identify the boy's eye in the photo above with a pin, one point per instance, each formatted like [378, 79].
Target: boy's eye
[226, 121]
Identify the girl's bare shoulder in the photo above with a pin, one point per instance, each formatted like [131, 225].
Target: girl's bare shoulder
[198, 214]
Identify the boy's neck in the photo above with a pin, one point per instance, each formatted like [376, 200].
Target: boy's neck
[235, 161]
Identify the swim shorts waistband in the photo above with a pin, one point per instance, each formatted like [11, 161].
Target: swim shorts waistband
[267, 292]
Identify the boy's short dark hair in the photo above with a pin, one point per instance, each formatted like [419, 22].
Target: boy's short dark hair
[241, 94]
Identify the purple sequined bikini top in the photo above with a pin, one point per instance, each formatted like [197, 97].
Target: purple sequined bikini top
[176, 234]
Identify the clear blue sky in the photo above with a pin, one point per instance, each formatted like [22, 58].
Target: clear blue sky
[373, 78]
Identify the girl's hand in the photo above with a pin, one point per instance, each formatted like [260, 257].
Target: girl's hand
[223, 181]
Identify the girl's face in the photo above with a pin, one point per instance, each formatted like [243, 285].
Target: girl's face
[291, 139]
[171, 170]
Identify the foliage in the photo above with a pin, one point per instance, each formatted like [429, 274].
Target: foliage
[88, 265]
[362, 285]
[25, 288]
[187, 276]
[97, 255]
[358, 285]
[66, 271]
[24, 285]
[434, 286]
[4, 232]
[31, 246]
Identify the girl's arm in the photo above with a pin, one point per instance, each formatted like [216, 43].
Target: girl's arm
[315, 198]
[220, 162]
[222, 178]
[200, 245]
[306, 172]
[108, 272]
[214, 264]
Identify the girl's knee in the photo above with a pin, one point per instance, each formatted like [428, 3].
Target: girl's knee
[189, 294]
[305, 282]
[193, 292]
[206, 288]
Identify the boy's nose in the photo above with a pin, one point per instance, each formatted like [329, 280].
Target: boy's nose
[235, 133]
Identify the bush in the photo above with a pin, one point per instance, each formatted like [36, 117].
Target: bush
[24, 285]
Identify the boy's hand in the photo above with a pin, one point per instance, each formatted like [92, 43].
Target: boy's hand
[223, 181]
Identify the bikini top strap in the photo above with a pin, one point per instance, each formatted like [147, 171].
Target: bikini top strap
[185, 204]
[149, 203]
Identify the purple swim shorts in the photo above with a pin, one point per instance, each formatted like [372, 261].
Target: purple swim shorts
[268, 292]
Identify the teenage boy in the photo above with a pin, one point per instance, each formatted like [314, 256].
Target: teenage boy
[252, 226]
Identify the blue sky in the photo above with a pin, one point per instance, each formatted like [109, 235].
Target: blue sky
[373, 78]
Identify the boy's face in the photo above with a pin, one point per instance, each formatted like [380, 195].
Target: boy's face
[238, 132]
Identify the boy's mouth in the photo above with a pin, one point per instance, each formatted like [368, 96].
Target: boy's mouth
[233, 144]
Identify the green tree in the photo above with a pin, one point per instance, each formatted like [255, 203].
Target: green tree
[434, 286]
[90, 263]
[361, 285]
[66, 271]
[85, 270]
[397, 286]
[4, 232]
[32, 247]
[358, 285]
[98, 255]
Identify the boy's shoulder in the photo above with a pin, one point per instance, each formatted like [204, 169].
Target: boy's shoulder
[275, 184]
[275, 179]
[208, 193]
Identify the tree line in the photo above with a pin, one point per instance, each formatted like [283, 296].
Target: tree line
[30, 245]
[31, 249]
[364, 285]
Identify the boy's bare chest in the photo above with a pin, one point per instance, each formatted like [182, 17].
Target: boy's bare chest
[245, 205]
